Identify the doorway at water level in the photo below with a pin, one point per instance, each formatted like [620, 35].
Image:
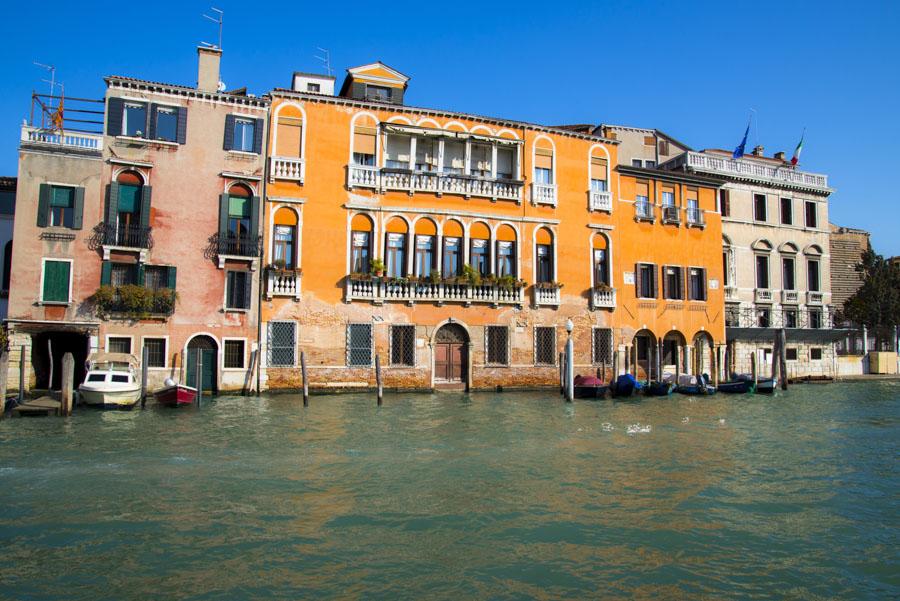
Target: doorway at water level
[451, 357]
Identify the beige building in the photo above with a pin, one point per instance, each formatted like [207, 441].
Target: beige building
[639, 147]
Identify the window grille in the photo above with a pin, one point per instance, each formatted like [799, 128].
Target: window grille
[359, 344]
[119, 344]
[282, 343]
[545, 345]
[815, 354]
[602, 350]
[234, 354]
[403, 345]
[496, 345]
[156, 352]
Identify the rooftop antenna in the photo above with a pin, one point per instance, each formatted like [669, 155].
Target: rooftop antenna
[217, 20]
[52, 80]
[326, 59]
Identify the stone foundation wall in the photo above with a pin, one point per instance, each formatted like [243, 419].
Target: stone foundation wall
[804, 366]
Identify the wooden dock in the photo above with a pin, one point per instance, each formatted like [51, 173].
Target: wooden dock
[44, 405]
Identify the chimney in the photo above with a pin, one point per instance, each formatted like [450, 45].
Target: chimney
[208, 68]
[779, 155]
[758, 151]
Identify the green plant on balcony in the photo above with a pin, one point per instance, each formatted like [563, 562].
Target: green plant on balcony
[377, 267]
[548, 285]
[506, 281]
[134, 301]
[471, 275]
[435, 276]
[602, 287]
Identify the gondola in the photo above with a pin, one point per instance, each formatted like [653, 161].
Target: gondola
[589, 387]
[624, 386]
[695, 385]
[659, 388]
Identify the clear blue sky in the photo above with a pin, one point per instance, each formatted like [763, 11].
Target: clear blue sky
[692, 69]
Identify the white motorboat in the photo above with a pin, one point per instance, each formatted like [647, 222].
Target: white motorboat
[111, 381]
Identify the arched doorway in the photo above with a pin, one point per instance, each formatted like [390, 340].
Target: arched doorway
[451, 355]
[673, 352]
[703, 353]
[207, 350]
[645, 355]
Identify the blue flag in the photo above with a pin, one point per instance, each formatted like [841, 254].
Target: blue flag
[739, 151]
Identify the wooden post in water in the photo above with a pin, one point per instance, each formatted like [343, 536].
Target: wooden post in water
[717, 353]
[775, 356]
[22, 374]
[199, 378]
[67, 392]
[782, 358]
[615, 366]
[570, 370]
[50, 378]
[4, 377]
[753, 367]
[378, 379]
[145, 370]
[562, 373]
[678, 351]
[303, 377]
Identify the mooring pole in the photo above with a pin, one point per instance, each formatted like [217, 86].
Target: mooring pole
[303, 377]
[4, 377]
[199, 378]
[378, 382]
[753, 366]
[68, 383]
[145, 370]
[50, 378]
[615, 365]
[562, 373]
[782, 358]
[775, 357]
[22, 374]
[717, 352]
[570, 369]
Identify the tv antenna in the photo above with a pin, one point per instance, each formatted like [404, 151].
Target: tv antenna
[52, 80]
[325, 59]
[218, 21]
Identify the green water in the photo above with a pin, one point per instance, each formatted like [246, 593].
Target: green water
[501, 496]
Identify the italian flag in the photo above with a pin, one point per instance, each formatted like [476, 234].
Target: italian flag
[796, 158]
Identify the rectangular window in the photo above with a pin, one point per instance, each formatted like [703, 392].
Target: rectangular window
[237, 290]
[637, 163]
[122, 274]
[815, 319]
[283, 245]
[672, 283]
[790, 354]
[787, 273]
[134, 119]
[732, 316]
[496, 345]
[62, 206]
[601, 268]
[698, 284]
[478, 256]
[427, 154]
[156, 277]
[244, 134]
[234, 354]
[811, 217]
[543, 176]
[646, 280]
[56, 281]
[364, 146]
[649, 140]
[760, 212]
[762, 272]
[480, 160]
[642, 205]
[359, 344]
[724, 203]
[545, 345]
[313, 87]
[763, 318]
[359, 252]
[790, 318]
[282, 343]
[167, 123]
[544, 263]
[118, 344]
[815, 354]
[424, 258]
[668, 196]
[156, 352]
[395, 256]
[812, 275]
[506, 258]
[663, 147]
[649, 164]
[452, 256]
[396, 152]
[543, 165]
[505, 163]
[378, 93]
[403, 346]
[601, 346]
[363, 159]
[599, 168]
[454, 157]
[787, 211]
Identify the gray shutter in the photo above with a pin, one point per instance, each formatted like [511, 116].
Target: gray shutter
[254, 215]
[151, 128]
[114, 110]
[653, 275]
[248, 290]
[78, 217]
[223, 214]
[171, 277]
[181, 134]
[43, 211]
[229, 132]
[637, 279]
[106, 273]
[112, 203]
[258, 136]
[145, 205]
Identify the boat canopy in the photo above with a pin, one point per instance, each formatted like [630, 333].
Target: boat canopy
[113, 360]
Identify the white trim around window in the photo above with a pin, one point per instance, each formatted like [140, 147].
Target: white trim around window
[243, 367]
[130, 338]
[165, 352]
[71, 263]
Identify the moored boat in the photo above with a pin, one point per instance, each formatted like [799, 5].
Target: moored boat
[659, 388]
[589, 387]
[695, 385]
[111, 381]
[624, 386]
[735, 387]
[175, 395]
[765, 386]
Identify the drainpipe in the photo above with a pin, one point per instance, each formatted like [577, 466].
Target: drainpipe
[259, 293]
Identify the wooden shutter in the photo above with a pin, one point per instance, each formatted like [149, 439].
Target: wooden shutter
[637, 279]
[254, 215]
[139, 274]
[258, 136]
[145, 206]
[364, 140]
[665, 282]
[223, 214]
[229, 132]
[43, 212]
[112, 203]
[56, 281]
[106, 273]
[654, 288]
[702, 284]
[598, 168]
[78, 215]
[171, 277]
[151, 128]
[248, 289]
[114, 109]
[181, 131]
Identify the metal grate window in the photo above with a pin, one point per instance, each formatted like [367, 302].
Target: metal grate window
[359, 344]
[403, 345]
[119, 344]
[282, 343]
[545, 345]
[234, 354]
[601, 346]
[496, 345]
[156, 352]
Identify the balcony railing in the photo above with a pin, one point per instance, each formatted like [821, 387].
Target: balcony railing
[381, 290]
[601, 201]
[790, 297]
[814, 298]
[749, 169]
[694, 217]
[287, 168]
[547, 294]
[670, 215]
[126, 236]
[438, 183]
[762, 295]
[731, 293]
[62, 139]
[603, 298]
[282, 283]
[643, 210]
[813, 319]
[543, 194]
[238, 246]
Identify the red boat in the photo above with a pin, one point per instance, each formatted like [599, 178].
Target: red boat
[176, 395]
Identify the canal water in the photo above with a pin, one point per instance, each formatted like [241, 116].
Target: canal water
[448, 496]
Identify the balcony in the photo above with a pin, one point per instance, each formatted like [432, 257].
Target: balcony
[695, 217]
[790, 297]
[225, 246]
[543, 194]
[547, 294]
[762, 296]
[603, 298]
[125, 236]
[815, 298]
[643, 210]
[282, 283]
[64, 140]
[287, 168]
[731, 293]
[380, 290]
[671, 215]
[359, 176]
[600, 201]
[790, 318]
[749, 169]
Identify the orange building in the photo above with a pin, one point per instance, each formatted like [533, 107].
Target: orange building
[456, 247]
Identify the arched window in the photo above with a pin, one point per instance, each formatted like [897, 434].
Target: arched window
[125, 205]
[395, 236]
[599, 171]
[365, 129]
[762, 248]
[600, 260]
[289, 132]
[426, 248]
[480, 248]
[239, 211]
[284, 238]
[543, 253]
[360, 244]
[506, 251]
[543, 162]
[453, 248]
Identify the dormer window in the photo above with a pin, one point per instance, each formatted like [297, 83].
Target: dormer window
[313, 87]
[378, 93]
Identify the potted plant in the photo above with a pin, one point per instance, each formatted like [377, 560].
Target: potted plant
[602, 287]
[377, 267]
[506, 282]
[435, 276]
[471, 275]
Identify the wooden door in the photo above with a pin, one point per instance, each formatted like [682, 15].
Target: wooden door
[450, 362]
[208, 377]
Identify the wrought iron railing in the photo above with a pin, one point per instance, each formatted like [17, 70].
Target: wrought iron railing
[238, 246]
[128, 236]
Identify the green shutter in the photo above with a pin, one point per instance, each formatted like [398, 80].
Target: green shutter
[106, 273]
[112, 204]
[223, 214]
[145, 206]
[56, 281]
[78, 217]
[139, 276]
[171, 277]
[129, 199]
[254, 216]
[43, 211]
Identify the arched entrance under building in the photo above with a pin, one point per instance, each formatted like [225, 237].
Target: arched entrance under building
[673, 352]
[645, 355]
[702, 353]
[451, 356]
[208, 351]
